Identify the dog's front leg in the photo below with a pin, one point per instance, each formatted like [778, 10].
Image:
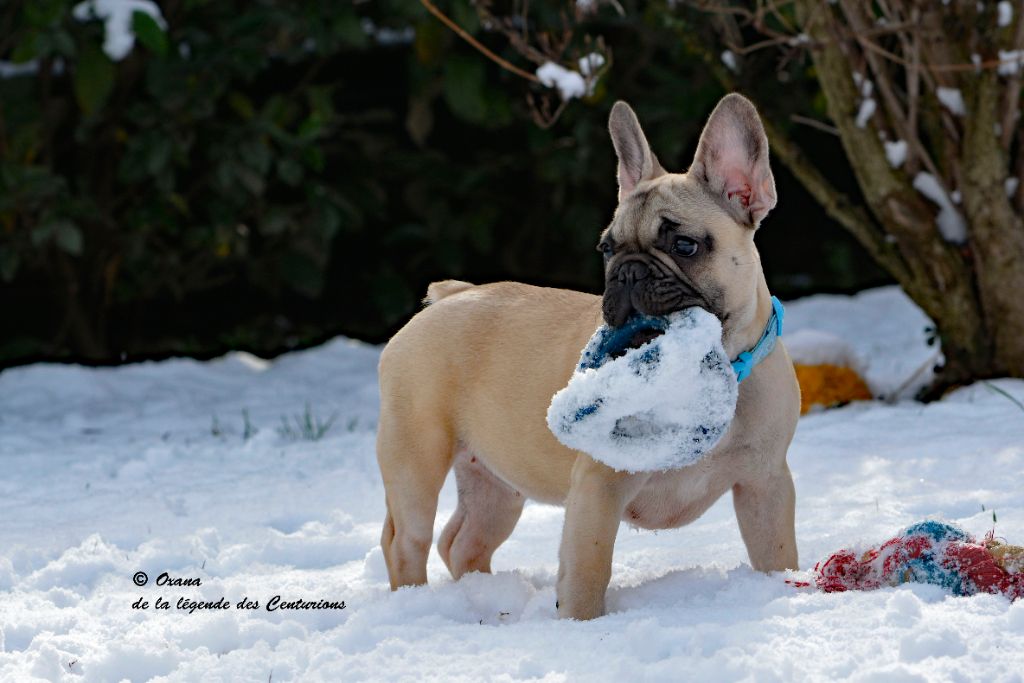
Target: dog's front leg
[765, 510]
[598, 495]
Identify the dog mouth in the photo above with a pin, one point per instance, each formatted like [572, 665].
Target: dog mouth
[636, 331]
[636, 340]
[632, 291]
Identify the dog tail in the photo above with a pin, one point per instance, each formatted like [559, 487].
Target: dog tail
[439, 290]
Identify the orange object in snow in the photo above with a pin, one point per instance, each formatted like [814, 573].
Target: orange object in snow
[829, 385]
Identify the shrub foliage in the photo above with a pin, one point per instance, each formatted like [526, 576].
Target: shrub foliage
[260, 174]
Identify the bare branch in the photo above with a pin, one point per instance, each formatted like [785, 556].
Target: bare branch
[836, 204]
[814, 123]
[900, 119]
[541, 113]
[503, 63]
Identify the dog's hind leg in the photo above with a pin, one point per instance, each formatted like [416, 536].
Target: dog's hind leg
[414, 461]
[486, 514]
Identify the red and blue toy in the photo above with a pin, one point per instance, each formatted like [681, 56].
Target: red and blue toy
[929, 552]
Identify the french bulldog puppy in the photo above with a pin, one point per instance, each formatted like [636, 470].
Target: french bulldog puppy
[467, 382]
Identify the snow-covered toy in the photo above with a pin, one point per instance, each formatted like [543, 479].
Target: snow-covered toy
[928, 552]
[658, 405]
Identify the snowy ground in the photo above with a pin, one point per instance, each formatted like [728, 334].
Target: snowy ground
[109, 472]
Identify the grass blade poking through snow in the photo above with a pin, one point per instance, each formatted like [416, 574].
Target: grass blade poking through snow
[1005, 393]
[305, 427]
[248, 429]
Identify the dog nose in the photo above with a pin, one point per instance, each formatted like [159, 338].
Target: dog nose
[632, 272]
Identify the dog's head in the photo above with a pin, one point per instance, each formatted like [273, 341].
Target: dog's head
[687, 239]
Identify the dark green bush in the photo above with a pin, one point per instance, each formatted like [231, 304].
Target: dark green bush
[202, 157]
[261, 174]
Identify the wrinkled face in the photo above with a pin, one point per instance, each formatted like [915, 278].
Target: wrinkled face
[671, 246]
[687, 239]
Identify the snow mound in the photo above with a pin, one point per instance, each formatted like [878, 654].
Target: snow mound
[110, 471]
[816, 347]
[888, 333]
[660, 406]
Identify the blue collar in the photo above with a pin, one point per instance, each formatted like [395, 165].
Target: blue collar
[745, 362]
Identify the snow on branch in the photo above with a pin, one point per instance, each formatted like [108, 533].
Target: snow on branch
[569, 83]
[566, 64]
[949, 221]
[119, 38]
[911, 85]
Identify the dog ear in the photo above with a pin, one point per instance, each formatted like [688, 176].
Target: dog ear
[636, 160]
[732, 160]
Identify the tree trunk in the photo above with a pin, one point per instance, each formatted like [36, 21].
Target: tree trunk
[936, 76]
[997, 232]
[973, 291]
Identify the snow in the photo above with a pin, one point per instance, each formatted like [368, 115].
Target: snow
[590, 64]
[1005, 13]
[615, 408]
[867, 104]
[570, 84]
[817, 347]
[884, 337]
[896, 152]
[865, 112]
[952, 99]
[1010, 185]
[729, 59]
[949, 221]
[1010, 62]
[382, 34]
[29, 68]
[117, 18]
[15, 69]
[111, 471]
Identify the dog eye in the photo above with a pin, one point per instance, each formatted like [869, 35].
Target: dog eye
[684, 246]
[605, 248]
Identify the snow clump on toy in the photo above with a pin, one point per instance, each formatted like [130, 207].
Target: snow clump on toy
[661, 405]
